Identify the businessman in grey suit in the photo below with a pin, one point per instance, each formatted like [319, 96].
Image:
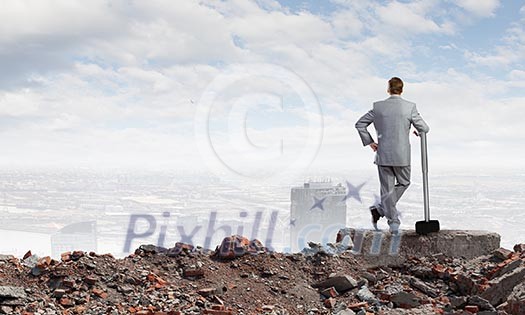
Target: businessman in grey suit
[392, 120]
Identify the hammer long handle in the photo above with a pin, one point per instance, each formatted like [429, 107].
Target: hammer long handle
[424, 168]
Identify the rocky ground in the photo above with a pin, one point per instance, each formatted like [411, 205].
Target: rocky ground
[241, 277]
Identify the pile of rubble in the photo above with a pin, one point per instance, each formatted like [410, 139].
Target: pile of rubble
[243, 277]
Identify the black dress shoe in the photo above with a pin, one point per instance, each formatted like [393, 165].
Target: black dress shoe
[375, 215]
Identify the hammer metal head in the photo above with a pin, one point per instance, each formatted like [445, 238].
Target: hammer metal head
[426, 227]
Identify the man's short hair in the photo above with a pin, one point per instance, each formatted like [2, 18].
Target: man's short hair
[395, 85]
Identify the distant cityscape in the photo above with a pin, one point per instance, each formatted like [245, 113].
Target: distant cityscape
[317, 212]
[54, 211]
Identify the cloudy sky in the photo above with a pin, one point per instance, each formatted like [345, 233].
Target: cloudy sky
[248, 85]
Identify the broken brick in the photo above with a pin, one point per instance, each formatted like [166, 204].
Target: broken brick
[27, 255]
[358, 305]
[43, 262]
[100, 293]
[329, 292]
[329, 302]
[187, 273]
[236, 246]
[206, 291]
[91, 280]
[472, 309]
[68, 283]
[218, 310]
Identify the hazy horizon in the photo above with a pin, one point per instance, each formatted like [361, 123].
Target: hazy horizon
[110, 109]
[39, 204]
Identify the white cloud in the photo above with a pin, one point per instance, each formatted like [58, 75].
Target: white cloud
[510, 51]
[19, 103]
[449, 47]
[410, 18]
[274, 29]
[503, 57]
[123, 90]
[482, 8]
[56, 19]
[517, 75]
[346, 24]
[120, 32]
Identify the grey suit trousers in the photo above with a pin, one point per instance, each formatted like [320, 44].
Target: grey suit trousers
[394, 181]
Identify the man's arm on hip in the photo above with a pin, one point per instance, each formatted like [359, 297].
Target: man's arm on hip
[361, 126]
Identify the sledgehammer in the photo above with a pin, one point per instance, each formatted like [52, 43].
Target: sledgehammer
[427, 226]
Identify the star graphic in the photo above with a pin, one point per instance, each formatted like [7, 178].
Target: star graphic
[353, 191]
[318, 203]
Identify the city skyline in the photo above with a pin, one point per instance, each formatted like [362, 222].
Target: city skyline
[34, 206]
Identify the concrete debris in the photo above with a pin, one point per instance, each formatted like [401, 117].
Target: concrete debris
[9, 292]
[383, 248]
[502, 253]
[480, 302]
[30, 261]
[505, 267]
[243, 277]
[516, 300]
[405, 300]
[423, 287]
[500, 288]
[6, 258]
[458, 301]
[343, 244]
[364, 294]
[340, 283]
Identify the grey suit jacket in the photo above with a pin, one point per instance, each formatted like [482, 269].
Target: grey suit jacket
[392, 119]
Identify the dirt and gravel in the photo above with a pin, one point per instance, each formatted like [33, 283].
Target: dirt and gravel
[242, 277]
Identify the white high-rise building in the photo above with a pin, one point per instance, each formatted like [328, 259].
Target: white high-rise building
[317, 212]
